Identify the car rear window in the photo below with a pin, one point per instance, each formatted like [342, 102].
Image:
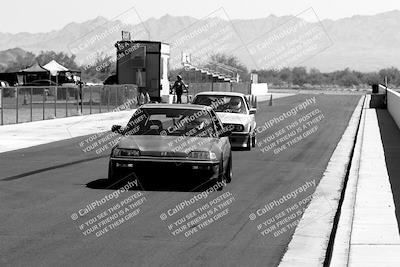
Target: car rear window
[222, 103]
[171, 122]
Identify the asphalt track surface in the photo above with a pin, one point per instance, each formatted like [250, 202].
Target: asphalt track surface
[40, 187]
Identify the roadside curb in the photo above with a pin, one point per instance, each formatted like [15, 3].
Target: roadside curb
[311, 238]
[341, 246]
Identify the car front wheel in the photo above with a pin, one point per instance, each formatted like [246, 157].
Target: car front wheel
[248, 144]
[113, 173]
[229, 173]
[221, 174]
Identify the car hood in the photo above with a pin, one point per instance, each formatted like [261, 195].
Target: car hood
[234, 118]
[156, 143]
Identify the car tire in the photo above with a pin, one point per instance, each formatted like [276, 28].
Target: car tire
[221, 173]
[248, 145]
[253, 141]
[228, 172]
[113, 175]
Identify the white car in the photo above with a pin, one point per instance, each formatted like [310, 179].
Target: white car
[235, 111]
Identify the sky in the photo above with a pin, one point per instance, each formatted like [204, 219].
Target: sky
[46, 15]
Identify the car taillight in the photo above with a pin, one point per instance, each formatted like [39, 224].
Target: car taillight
[122, 152]
[202, 155]
[235, 127]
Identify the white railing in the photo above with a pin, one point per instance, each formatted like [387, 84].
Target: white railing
[393, 105]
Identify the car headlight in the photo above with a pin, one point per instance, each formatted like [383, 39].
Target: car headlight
[123, 152]
[202, 155]
[239, 128]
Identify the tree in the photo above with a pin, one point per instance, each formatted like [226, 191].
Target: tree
[348, 78]
[315, 77]
[21, 62]
[299, 75]
[372, 78]
[103, 67]
[285, 75]
[64, 59]
[392, 74]
[268, 76]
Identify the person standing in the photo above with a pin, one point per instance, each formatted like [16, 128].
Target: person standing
[143, 96]
[179, 85]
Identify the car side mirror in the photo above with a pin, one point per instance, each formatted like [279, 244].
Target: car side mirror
[116, 128]
[253, 111]
[225, 133]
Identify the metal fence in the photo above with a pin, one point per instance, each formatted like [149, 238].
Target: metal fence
[26, 104]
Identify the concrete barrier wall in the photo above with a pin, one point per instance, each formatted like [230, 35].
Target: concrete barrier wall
[222, 87]
[243, 88]
[259, 88]
[195, 88]
[393, 105]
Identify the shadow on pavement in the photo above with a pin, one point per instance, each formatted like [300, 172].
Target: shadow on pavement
[390, 135]
[154, 185]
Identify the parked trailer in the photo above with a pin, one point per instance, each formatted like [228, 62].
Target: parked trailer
[144, 63]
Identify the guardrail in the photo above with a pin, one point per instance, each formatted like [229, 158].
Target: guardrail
[27, 104]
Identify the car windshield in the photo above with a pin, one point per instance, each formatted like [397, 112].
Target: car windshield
[171, 122]
[222, 103]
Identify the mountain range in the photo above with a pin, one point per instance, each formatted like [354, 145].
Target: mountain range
[364, 43]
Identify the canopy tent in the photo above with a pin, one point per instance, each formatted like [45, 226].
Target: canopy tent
[47, 73]
[36, 68]
[58, 70]
[33, 73]
[54, 67]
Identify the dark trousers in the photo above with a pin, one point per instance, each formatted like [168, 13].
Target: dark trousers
[179, 98]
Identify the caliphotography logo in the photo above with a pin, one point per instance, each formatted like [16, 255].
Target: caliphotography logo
[284, 213]
[183, 133]
[288, 129]
[96, 48]
[210, 35]
[193, 215]
[110, 211]
[290, 44]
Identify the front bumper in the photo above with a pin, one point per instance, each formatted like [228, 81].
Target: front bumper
[167, 167]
